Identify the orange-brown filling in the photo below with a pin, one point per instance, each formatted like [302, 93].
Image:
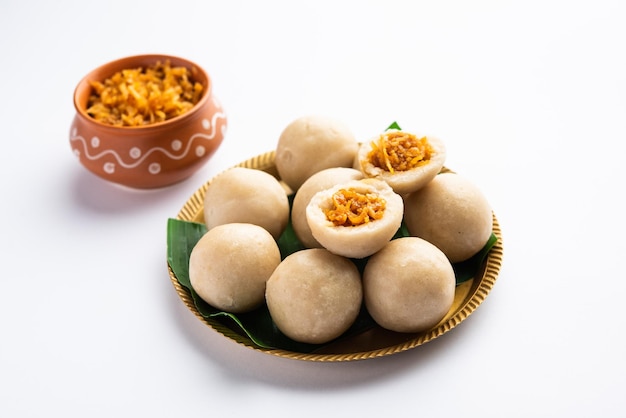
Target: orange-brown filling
[143, 96]
[400, 151]
[353, 208]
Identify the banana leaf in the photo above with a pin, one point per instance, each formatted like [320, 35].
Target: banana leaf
[182, 236]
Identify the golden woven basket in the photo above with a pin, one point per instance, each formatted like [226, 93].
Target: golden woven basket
[376, 342]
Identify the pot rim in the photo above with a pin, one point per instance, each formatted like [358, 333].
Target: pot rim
[105, 70]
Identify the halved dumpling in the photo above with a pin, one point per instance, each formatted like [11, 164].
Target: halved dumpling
[406, 161]
[319, 181]
[356, 218]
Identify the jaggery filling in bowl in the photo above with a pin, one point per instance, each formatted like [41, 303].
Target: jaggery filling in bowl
[399, 151]
[353, 208]
[143, 96]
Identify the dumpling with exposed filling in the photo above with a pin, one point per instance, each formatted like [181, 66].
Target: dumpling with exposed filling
[404, 160]
[356, 218]
[319, 181]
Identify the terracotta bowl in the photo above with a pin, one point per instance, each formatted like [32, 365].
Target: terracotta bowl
[147, 156]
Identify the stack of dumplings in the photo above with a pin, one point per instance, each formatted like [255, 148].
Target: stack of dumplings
[349, 201]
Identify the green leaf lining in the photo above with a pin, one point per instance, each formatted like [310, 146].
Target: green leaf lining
[182, 236]
[394, 125]
[466, 270]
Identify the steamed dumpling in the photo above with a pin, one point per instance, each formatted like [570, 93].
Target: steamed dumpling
[231, 263]
[452, 213]
[246, 195]
[314, 296]
[319, 181]
[404, 160]
[355, 219]
[408, 285]
[310, 144]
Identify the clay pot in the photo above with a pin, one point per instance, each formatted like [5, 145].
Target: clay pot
[147, 156]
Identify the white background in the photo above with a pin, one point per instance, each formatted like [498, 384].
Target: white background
[530, 98]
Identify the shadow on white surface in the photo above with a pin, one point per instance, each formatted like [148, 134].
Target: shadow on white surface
[96, 194]
[242, 366]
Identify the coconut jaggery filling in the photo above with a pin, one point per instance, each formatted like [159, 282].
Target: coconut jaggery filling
[143, 96]
[400, 151]
[353, 208]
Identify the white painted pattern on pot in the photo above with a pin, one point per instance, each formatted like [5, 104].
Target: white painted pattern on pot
[138, 157]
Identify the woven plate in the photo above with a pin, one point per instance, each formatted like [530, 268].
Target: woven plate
[373, 343]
